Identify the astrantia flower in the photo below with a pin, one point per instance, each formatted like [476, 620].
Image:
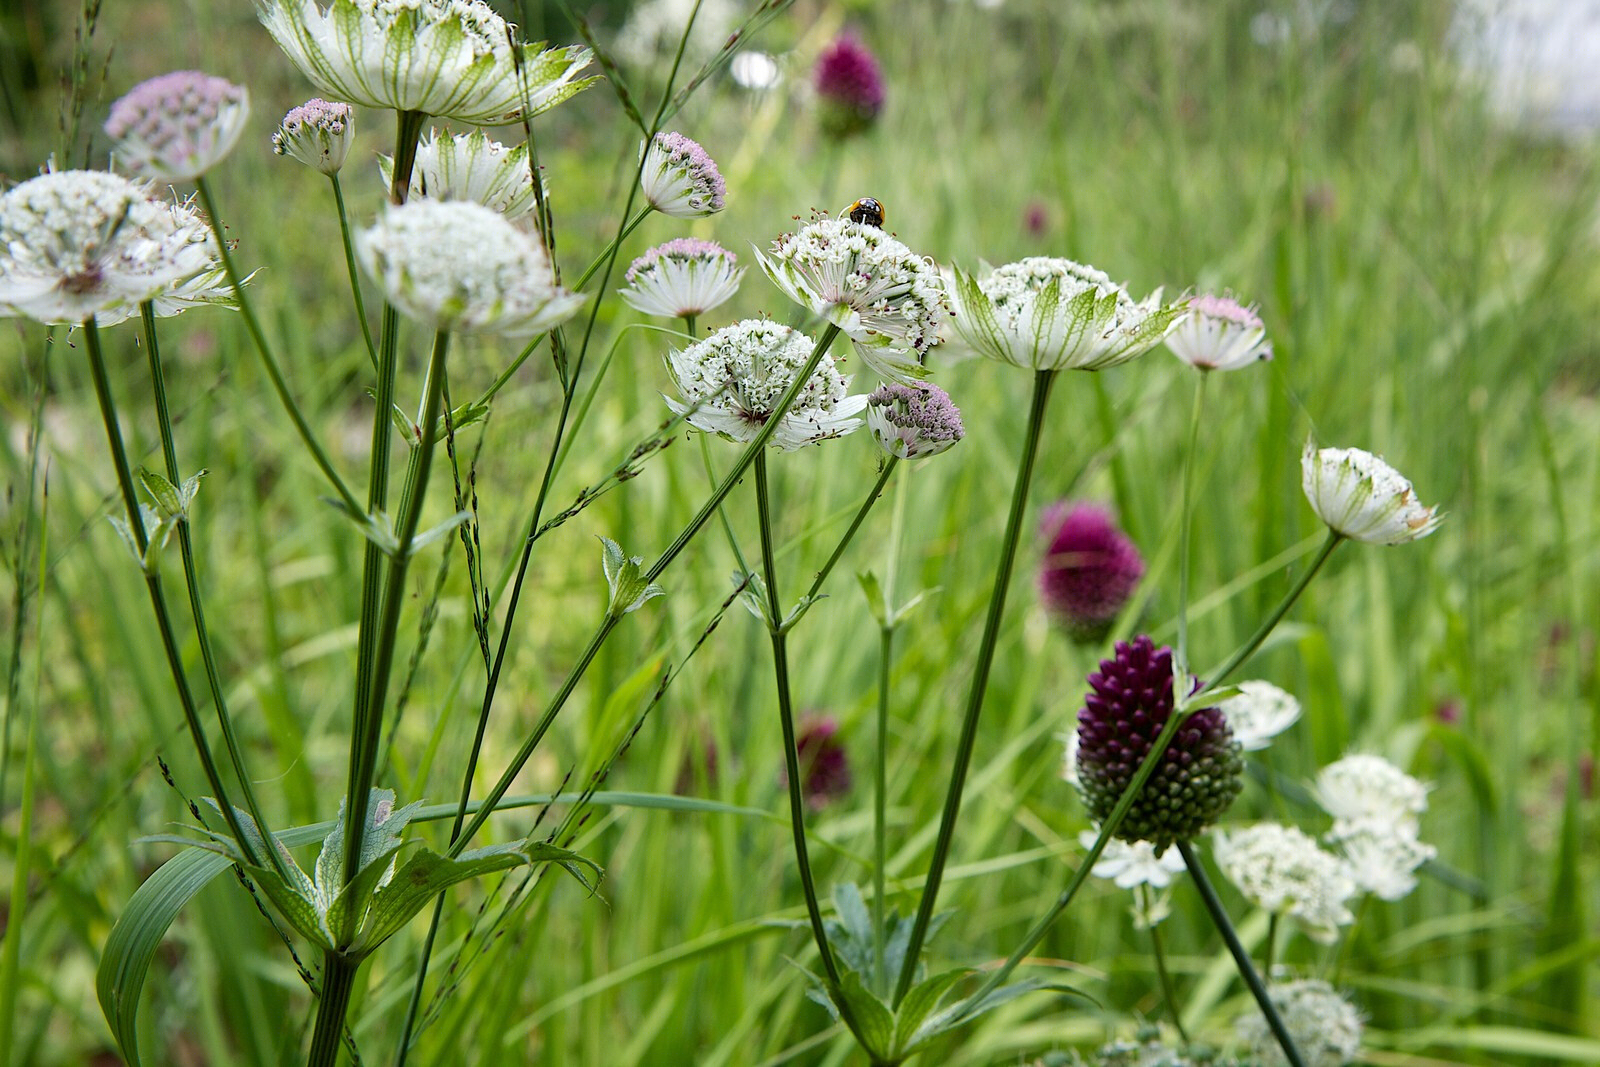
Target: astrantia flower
[470, 167]
[1219, 333]
[1054, 314]
[889, 300]
[177, 126]
[317, 133]
[849, 87]
[1089, 571]
[208, 286]
[1281, 870]
[1362, 788]
[455, 265]
[824, 762]
[1133, 863]
[1382, 859]
[452, 58]
[1129, 700]
[1069, 758]
[680, 179]
[654, 28]
[685, 276]
[1325, 1027]
[913, 421]
[1259, 713]
[79, 243]
[732, 381]
[1363, 498]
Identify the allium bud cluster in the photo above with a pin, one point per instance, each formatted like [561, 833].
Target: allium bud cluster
[824, 761]
[1089, 571]
[849, 87]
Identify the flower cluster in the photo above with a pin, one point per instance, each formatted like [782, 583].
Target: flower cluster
[1219, 333]
[849, 87]
[1326, 1027]
[1089, 570]
[1376, 809]
[470, 167]
[177, 126]
[1260, 712]
[824, 761]
[1361, 497]
[317, 133]
[679, 179]
[685, 276]
[1281, 870]
[913, 421]
[732, 381]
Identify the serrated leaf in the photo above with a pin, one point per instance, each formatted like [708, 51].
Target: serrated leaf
[967, 1010]
[343, 917]
[300, 911]
[164, 493]
[868, 1017]
[920, 1000]
[625, 579]
[852, 910]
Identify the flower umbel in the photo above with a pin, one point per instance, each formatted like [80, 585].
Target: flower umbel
[1361, 497]
[79, 243]
[177, 126]
[913, 421]
[849, 87]
[1089, 570]
[1326, 1028]
[1129, 700]
[207, 286]
[455, 59]
[317, 133]
[1281, 870]
[1260, 712]
[1376, 809]
[469, 167]
[889, 300]
[1054, 314]
[1219, 333]
[732, 380]
[455, 265]
[685, 276]
[680, 179]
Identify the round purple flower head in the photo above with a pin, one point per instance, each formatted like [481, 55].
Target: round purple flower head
[849, 85]
[1089, 571]
[1129, 701]
[177, 126]
[824, 763]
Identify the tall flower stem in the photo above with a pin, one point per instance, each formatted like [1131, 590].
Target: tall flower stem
[791, 754]
[338, 983]
[1042, 382]
[854, 528]
[1270, 623]
[350, 268]
[1168, 992]
[1241, 958]
[1180, 662]
[191, 581]
[880, 813]
[152, 581]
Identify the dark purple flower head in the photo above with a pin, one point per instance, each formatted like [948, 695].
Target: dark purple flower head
[1129, 701]
[849, 84]
[1089, 571]
[824, 764]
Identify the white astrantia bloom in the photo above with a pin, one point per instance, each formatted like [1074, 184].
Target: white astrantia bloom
[456, 59]
[1219, 333]
[471, 167]
[1382, 859]
[887, 299]
[732, 381]
[317, 133]
[177, 126]
[1069, 759]
[1054, 314]
[678, 178]
[913, 421]
[207, 287]
[79, 243]
[1362, 788]
[685, 276]
[1133, 863]
[654, 27]
[1326, 1027]
[1260, 712]
[459, 266]
[1361, 497]
[1281, 870]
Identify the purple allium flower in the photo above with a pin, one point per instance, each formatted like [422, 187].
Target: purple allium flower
[1036, 219]
[317, 133]
[824, 763]
[1129, 701]
[680, 179]
[911, 421]
[1089, 571]
[177, 126]
[849, 85]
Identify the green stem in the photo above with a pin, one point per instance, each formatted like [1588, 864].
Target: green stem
[191, 581]
[1248, 649]
[269, 361]
[338, 983]
[1241, 958]
[1180, 662]
[1168, 992]
[855, 525]
[1042, 381]
[350, 268]
[1270, 949]
[880, 820]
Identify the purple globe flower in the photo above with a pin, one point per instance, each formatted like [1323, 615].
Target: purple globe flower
[849, 86]
[824, 763]
[1129, 701]
[1089, 570]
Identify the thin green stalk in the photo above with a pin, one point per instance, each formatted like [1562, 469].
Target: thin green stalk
[269, 361]
[1270, 949]
[1241, 958]
[1180, 662]
[1168, 992]
[1042, 382]
[338, 982]
[191, 580]
[609, 252]
[855, 525]
[350, 268]
[791, 754]
[1248, 649]
[880, 835]
[152, 581]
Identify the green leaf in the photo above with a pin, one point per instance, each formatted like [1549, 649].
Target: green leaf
[296, 907]
[350, 904]
[868, 1017]
[163, 492]
[624, 576]
[874, 593]
[920, 1000]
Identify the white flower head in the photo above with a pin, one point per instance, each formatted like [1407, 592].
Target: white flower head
[1133, 863]
[1260, 712]
[456, 59]
[913, 421]
[1382, 859]
[317, 133]
[732, 381]
[1363, 498]
[1219, 333]
[177, 126]
[1069, 759]
[1326, 1027]
[685, 276]
[1281, 870]
[79, 243]
[469, 166]
[755, 71]
[1054, 314]
[207, 287]
[1363, 788]
[887, 299]
[455, 265]
[679, 179]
